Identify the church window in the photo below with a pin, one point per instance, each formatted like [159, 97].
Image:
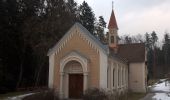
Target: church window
[112, 39]
[118, 77]
[122, 77]
[113, 77]
[107, 77]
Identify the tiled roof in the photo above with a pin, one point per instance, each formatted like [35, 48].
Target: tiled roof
[132, 52]
[112, 22]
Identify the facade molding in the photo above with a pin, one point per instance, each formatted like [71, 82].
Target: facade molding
[64, 80]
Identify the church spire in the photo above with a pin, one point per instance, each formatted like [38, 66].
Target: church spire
[113, 28]
[112, 22]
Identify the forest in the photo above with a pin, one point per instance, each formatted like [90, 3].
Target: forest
[29, 28]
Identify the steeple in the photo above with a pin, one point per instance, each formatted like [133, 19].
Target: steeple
[113, 34]
[112, 22]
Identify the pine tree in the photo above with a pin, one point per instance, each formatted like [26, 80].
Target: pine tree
[154, 39]
[166, 49]
[87, 17]
[149, 54]
[148, 41]
[43, 31]
[28, 28]
[101, 25]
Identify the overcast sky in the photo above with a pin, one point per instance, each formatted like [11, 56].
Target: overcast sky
[135, 16]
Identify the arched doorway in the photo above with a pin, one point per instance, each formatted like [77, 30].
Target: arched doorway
[74, 71]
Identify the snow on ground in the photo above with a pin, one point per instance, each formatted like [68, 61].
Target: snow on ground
[159, 91]
[161, 96]
[20, 97]
[161, 86]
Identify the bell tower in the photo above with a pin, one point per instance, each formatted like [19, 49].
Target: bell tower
[113, 31]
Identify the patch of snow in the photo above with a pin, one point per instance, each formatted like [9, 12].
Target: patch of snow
[162, 86]
[159, 91]
[20, 97]
[161, 96]
[149, 86]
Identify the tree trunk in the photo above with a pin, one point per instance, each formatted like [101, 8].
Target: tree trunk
[20, 75]
[154, 64]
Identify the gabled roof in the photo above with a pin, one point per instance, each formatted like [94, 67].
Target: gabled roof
[84, 32]
[112, 22]
[132, 52]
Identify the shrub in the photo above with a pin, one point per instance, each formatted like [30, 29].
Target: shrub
[95, 94]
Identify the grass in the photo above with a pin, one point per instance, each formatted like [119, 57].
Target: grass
[136, 96]
[11, 94]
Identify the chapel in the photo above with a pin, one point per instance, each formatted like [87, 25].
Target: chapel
[79, 61]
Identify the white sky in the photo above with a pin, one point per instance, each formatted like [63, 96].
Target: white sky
[135, 16]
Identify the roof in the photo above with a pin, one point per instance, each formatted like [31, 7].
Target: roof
[84, 32]
[132, 52]
[92, 37]
[112, 22]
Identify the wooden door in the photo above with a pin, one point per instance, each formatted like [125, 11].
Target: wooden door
[75, 86]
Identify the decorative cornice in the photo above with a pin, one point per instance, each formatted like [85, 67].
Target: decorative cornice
[77, 29]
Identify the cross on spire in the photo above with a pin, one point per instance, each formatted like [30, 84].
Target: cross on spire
[112, 22]
[112, 4]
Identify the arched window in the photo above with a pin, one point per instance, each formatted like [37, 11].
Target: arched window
[122, 76]
[107, 77]
[113, 77]
[123, 73]
[112, 39]
[118, 77]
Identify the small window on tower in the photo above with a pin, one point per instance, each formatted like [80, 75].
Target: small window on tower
[112, 39]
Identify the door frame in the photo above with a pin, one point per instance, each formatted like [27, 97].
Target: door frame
[63, 93]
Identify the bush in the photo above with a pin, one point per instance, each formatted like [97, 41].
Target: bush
[43, 95]
[95, 94]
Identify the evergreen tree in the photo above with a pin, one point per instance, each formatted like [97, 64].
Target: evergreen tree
[148, 41]
[166, 50]
[154, 39]
[42, 32]
[149, 54]
[101, 25]
[28, 28]
[87, 17]
[9, 43]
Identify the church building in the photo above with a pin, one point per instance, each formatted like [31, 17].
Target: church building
[79, 61]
